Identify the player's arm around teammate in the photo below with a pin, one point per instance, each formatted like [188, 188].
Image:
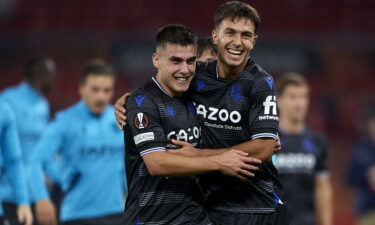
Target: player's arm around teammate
[260, 148]
[161, 162]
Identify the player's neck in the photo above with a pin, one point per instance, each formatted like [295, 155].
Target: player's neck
[165, 87]
[291, 127]
[35, 86]
[226, 71]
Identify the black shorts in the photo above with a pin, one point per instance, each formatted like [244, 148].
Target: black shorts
[281, 215]
[116, 219]
[10, 214]
[232, 218]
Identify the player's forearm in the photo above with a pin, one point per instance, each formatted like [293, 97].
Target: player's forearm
[261, 149]
[171, 165]
[323, 199]
[18, 182]
[37, 185]
[211, 152]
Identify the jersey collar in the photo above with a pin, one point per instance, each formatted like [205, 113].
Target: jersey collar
[248, 65]
[159, 85]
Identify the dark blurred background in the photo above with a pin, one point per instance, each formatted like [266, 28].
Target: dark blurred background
[331, 42]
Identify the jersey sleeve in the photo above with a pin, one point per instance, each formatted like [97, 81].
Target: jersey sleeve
[48, 145]
[12, 154]
[144, 124]
[263, 115]
[321, 167]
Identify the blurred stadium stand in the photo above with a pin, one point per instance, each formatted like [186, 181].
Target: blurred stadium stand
[330, 41]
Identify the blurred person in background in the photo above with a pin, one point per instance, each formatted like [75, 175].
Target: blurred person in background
[361, 174]
[91, 153]
[206, 50]
[32, 113]
[302, 161]
[11, 161]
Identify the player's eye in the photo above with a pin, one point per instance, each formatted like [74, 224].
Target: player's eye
[191, 60]
[175, 60]
[229, 32]
[247, 36]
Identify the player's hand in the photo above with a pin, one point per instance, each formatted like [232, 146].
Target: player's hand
[120, 110]
[237, 163]
[24, 215]
[45, 212]
[186, 149]
[277, 147]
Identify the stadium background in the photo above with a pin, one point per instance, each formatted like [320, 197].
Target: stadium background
[329, 41]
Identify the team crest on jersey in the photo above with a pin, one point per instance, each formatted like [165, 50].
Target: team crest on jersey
[269, 81]
[141, 121]
[170, 111]
[200, 85]
[139, 99]
[235, 92]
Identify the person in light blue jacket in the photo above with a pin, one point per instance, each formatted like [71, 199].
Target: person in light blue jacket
[11, 161]
[31, 111]
[91, 153]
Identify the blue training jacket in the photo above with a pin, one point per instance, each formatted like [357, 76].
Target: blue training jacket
[32, 114]
[91, 153]
[11, 156]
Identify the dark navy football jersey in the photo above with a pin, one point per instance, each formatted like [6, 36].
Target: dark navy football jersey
[233, 111]
[153, 119]
[303, 156]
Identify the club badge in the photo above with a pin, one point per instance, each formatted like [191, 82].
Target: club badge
[141, 121]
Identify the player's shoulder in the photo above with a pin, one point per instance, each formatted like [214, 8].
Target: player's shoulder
[255, 71]
[257, 78]
[143, 97]
[317, 136]
[68, 113]
[9, 92]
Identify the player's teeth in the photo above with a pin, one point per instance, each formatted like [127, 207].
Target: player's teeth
[181, 78]
[235, 52]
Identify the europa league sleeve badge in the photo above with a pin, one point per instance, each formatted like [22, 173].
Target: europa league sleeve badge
[141, 120]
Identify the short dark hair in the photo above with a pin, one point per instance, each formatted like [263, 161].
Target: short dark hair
[205, 43]
[289, 79]
[236, 10]
[97, 67]
[175, 34]
[36, 65]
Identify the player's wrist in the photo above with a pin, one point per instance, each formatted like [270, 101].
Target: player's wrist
[213, 163]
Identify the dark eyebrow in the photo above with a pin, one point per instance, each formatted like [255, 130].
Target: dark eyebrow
[194, 58]
[229, 29]
[178, 59]
[248, 33]
[175, 58]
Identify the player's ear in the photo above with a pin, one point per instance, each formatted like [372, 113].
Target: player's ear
[214, 36]
[254, 40]
[155, 60]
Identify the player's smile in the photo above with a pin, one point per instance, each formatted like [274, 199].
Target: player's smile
[234, 38]
[235, 52]
[183, 79]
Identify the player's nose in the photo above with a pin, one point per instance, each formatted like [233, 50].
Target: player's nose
[184, 68]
